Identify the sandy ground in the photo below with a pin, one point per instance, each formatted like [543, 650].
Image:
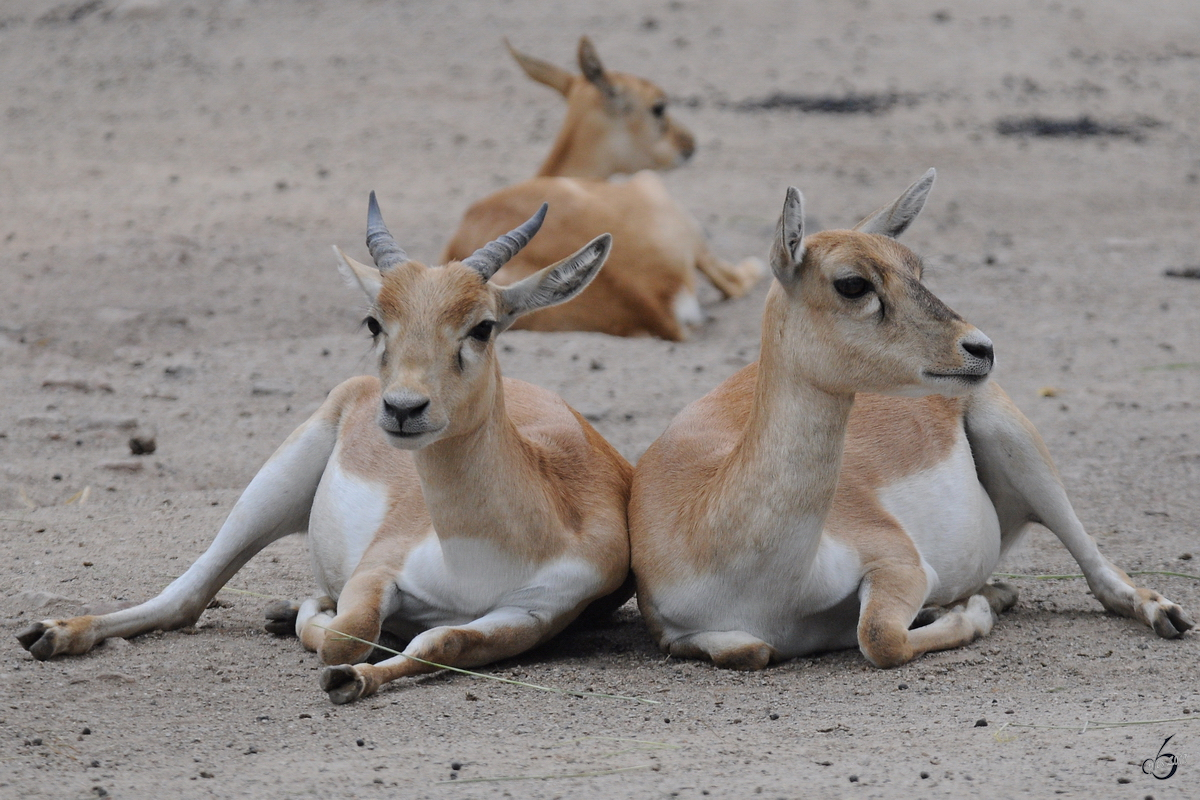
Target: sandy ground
[172, 175]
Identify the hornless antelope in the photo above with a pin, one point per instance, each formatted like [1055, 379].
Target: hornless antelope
[471, 516]
[616, 123]
[781, 515]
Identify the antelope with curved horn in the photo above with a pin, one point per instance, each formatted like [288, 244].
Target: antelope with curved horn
[615, 123]
[469, 515]
[787, 512]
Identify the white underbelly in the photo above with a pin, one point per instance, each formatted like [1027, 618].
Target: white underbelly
[347, 512]
[952, 521]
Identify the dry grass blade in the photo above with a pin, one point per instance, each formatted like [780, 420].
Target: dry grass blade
[597, 774]
[250, 593]
[639, 745]
[79, 497]
[496, 678]
[1097, 725]
[1069, 577]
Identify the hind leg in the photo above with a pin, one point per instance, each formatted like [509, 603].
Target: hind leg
[276, 503]
[1015, 469]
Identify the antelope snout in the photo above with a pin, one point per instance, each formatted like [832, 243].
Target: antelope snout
[405, 415]
[686, 144]
[978, 355]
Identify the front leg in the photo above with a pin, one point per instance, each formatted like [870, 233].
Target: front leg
[275, 504]
[1015, 469]
[503, 633]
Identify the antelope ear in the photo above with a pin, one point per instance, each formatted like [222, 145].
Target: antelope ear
[787, 252]
[892, 220]
[366, 278]
[542, 71]
[555, 284]
[593, 70]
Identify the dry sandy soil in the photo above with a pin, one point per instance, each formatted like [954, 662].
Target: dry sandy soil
[173, 173]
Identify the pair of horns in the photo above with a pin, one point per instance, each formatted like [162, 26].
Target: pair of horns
[487, 260]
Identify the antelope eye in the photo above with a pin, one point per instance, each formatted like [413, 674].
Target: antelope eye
[483, 331]
[852, 288]
[373, 326]
[659, 109]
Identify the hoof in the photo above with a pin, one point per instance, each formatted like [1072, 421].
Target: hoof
[41, 639]
[1001, 596]
[1168, 620]
[343, 684]
[281, 618]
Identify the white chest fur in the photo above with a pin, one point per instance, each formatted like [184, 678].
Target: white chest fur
[952, 521]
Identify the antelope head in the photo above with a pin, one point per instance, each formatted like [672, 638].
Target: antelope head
[435, 327]
[850, 313]
[615, 122]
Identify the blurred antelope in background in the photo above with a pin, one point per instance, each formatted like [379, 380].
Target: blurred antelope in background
[468, 515]
[787, 512]
[615, 123]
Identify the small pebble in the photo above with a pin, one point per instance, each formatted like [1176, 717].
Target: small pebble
[86, 731]
[456, 765]
[924, 774]
[1122, 780]
[854, 779]
[359, 742]
[774, 716]
[902, 686]
[981, 723]
[142, 444]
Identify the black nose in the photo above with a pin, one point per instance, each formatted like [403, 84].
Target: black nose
[981, 350]
[403, 410]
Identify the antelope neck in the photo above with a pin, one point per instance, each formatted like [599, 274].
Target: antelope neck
[785, 468]
[480, 483]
